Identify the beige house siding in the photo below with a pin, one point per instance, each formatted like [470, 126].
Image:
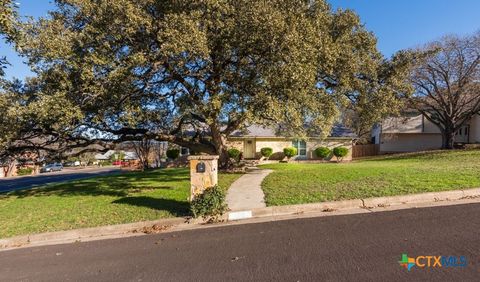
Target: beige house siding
[474, 130]
[237, 144]
[430, 127]
[278, 144]
[410, 142]
[408, 124]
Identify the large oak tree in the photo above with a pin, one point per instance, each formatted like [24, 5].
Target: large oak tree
[192, 72]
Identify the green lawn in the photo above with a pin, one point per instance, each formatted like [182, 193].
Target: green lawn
[381, 176]
[128, 197]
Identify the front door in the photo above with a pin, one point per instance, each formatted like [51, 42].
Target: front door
[249, 149]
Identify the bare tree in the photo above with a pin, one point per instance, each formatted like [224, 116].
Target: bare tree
[447, 84]
[86, 158]
[8, 167]
[159, 152]
[143, 148]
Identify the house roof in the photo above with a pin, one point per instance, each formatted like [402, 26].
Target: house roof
[129, 155]
[338, 131]
[104, 156]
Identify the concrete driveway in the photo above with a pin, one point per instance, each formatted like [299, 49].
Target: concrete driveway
[68, 174]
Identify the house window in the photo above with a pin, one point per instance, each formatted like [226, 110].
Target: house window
[301, 146]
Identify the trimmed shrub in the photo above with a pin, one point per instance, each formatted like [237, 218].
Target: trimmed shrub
[173, 154]
[266, 152]
[322, 152]
[210, 205]
[234, 153]
[25, 171]
[290, 152]
[340, 152]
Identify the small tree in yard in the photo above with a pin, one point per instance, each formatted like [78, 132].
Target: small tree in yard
[447, 84]
[290, 152]
[340, 153]
[87, 158]
[143, 148]
[266, 152]
[159, 151]
[323, 152]
[117, 156]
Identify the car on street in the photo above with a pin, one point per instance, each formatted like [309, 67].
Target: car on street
[52, 168]
[72, 164]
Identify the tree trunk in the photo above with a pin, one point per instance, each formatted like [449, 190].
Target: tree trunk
[448, 139]
[220, 144]
[11, 168]
[224, 159]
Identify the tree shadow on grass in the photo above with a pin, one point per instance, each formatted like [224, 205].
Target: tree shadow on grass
[84, 188]
[121, 185]
[176, 208]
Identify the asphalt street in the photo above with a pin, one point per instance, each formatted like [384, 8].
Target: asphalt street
[25, 182]
[360, 247]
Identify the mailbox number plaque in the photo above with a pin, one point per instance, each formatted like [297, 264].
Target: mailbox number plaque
[201, 167]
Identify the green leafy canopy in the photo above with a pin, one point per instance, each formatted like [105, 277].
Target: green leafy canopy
[192, 72]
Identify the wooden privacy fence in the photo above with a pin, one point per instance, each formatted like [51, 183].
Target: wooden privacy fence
[360, 151]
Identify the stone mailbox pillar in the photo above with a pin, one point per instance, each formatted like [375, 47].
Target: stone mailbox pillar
[203, 173]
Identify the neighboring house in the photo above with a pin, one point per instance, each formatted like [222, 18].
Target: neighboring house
[25, 160]
[129, 156]
[255, 137]
[105, 156]
[413, 132]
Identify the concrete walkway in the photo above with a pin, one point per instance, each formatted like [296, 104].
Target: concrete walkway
[246, 193]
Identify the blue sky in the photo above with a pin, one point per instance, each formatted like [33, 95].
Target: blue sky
[398, 24]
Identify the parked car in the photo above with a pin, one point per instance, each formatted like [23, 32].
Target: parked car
[72, 164]
[52, 167]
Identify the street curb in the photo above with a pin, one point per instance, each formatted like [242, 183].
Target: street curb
[368, 203]
[87, 234]
[268, 213]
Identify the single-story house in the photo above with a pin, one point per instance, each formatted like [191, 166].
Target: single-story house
[128, 155]
[255, 137]
[413, 132]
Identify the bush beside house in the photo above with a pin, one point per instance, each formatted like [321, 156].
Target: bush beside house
[323, 152]
[234, 153]
[266, 152]
[290, 152]
[340, 153]
[25, 171]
